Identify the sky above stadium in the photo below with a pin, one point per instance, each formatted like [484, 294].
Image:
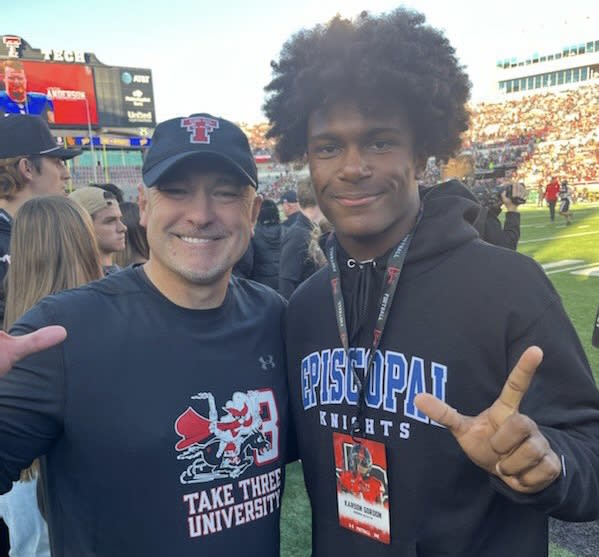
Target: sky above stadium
[214, 56]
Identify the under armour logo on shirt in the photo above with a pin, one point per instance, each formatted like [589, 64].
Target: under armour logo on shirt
[267, 362]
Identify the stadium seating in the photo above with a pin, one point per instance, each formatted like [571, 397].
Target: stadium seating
[559, 130]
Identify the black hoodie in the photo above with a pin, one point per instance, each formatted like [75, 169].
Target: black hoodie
[463, 313]
[267, 253]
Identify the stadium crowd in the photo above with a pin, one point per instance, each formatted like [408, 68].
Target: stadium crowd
[559, 130]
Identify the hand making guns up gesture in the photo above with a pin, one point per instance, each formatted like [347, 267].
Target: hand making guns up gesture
[500, 439]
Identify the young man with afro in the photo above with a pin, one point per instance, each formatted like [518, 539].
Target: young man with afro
[452, 361]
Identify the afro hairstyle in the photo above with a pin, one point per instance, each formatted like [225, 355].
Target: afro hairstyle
[393, 58]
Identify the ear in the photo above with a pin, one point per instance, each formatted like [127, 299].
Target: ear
[256, 204]
[142, 201]
[25, 167]
[421, 163]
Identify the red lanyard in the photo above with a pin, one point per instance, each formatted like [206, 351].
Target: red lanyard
[390, 281]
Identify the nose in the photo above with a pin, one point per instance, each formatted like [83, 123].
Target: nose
[122, 227]
[354, 166]
[200, 211]
[65, 175]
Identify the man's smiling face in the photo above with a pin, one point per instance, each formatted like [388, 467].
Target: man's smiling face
[198, 224]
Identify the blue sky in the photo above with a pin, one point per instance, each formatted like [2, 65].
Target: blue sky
[214, 56]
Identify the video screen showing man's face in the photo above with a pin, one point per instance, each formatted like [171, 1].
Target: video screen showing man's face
[16, 84]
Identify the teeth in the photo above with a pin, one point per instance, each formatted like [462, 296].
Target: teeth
[191, 240]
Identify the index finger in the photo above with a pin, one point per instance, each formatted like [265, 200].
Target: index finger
[520, 378]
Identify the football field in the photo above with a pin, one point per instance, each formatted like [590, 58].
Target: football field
[570, 256]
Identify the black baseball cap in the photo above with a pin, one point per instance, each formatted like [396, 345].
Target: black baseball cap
[203, 136]
[290, 196]
[25, 135]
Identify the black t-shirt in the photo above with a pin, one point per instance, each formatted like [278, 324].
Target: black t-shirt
[163, 427]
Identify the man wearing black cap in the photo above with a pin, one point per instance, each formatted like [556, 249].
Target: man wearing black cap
[31, 164]
[176, 446]
[291, 207]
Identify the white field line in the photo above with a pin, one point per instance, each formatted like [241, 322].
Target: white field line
[562, 263]
[591, 272]
[575, 268]
[558, 237]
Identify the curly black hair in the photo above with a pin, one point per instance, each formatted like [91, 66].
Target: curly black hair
[391, 60]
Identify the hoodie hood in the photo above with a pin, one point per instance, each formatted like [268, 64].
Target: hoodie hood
[270, 234]
[449, 210]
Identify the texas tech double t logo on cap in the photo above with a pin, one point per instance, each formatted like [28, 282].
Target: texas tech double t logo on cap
[200, 128]
[202, 136]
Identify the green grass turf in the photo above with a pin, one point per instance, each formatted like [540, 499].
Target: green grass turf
[546, 242]
[550, 242]
[556, 551]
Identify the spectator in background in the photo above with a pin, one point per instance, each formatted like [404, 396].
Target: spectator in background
[106, 216]
[488, 223]
[266, 243]
[113, 189]
[565, 201]
[296, 263]
[551, 193]
[136, 244]
[42, 264]
[291, 208]
[31, 164]
[540, 194]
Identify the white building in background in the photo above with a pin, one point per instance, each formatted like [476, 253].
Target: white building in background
[573, 66]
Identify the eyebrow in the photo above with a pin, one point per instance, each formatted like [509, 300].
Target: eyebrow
[369, 132]
[229, 180]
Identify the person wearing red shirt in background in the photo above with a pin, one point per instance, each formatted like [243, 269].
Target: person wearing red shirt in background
[551, 193]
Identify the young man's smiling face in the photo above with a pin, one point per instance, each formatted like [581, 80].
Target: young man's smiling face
[363, 170]
[199, 223]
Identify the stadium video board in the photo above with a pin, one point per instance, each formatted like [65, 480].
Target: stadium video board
[63, 94]
[125, 96]
[73, 89]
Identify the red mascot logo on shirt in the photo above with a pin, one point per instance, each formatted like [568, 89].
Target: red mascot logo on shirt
[226, 446]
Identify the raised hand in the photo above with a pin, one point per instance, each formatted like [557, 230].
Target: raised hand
[500, 439]
[12, 349]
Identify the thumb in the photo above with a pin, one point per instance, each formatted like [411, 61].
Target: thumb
[37, 341]
[442, 413]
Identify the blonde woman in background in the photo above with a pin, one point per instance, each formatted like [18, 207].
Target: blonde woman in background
[53, 248]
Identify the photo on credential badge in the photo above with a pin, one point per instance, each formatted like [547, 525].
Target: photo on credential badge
[362, 487]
